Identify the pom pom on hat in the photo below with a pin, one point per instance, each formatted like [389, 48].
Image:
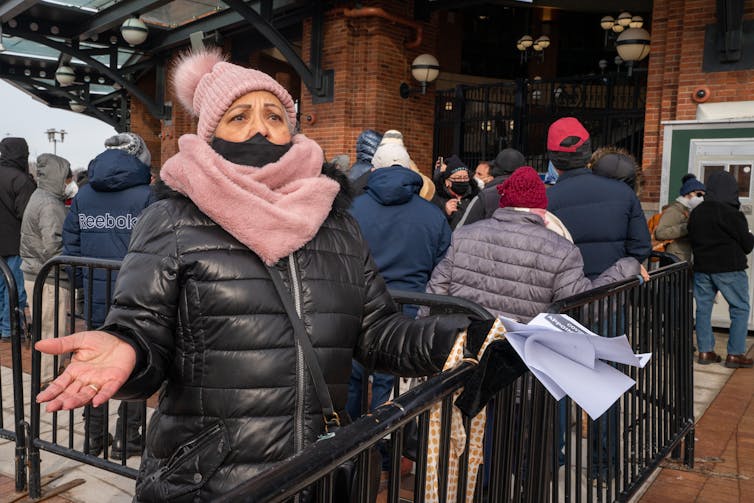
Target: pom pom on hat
[391, 154]
[523, 189]
[131, 143]
[206, 86]
[691, 184]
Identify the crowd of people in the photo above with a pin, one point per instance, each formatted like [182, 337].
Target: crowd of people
[195, 310]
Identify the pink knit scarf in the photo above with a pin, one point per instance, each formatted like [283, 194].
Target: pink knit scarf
[274, 210]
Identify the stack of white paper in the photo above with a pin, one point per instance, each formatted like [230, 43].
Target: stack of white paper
[569, 360]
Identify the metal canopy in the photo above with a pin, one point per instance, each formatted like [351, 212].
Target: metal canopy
[41, 35]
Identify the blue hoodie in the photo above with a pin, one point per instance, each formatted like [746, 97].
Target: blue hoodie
[103, 214]
[407, 235]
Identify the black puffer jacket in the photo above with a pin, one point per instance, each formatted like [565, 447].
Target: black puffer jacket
[205, 317]
[16, 187]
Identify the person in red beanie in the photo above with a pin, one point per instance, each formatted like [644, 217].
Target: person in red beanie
[251, 234]
[523, 254]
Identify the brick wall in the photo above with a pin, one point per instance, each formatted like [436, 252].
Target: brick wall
[145, 124]
[675, 71]
[370, 61]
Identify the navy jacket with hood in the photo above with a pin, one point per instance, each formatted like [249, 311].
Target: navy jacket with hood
[604, 216]
[102, 216]
[407, 235]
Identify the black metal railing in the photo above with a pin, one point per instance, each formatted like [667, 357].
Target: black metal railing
[533, 454]
[97, 275]
[18, 432]
[476, 122]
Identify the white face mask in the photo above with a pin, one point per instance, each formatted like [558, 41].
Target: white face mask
[70, 190]
[479, 182]
[695, 201]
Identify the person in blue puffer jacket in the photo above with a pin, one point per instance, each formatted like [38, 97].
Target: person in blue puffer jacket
[99, 225]
[407, 235]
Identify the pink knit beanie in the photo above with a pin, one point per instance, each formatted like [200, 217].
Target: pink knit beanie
[206, 85]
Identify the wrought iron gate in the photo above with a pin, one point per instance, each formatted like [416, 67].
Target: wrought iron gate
[476, 122]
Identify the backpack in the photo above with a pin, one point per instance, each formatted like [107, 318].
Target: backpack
[658, 245]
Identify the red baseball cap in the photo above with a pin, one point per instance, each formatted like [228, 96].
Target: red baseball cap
[566, 135]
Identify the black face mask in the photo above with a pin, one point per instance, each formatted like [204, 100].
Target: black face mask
[256, 151]
[459, 188]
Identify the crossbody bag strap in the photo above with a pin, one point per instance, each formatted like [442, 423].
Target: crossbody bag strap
[328, 411]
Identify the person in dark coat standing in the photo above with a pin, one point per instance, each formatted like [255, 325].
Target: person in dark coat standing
[486, 203]
[720, 241]
[603, 215]
[16, 187]
[407, 236]
[196, 306]
[99, 225]
[41, 240]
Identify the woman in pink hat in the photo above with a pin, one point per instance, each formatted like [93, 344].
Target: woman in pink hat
[245, 200]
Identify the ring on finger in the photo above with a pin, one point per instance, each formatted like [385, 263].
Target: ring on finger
[94, 387]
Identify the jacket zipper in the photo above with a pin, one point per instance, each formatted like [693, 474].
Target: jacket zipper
[298, 419]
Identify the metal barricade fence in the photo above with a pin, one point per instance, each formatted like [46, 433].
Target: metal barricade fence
[18, 432]
[538, 450]
[63, 274]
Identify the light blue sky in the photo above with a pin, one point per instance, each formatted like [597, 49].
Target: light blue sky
[20, 115]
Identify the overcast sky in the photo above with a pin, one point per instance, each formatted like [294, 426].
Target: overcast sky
[20, 115]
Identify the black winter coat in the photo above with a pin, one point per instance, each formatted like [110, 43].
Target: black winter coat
[16, 187]
[204, 316]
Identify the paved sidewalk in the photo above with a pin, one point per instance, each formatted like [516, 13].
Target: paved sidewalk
[724, 452]
[723, 471]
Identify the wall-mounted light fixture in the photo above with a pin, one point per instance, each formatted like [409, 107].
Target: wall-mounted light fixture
[134, 31]
[530, 47]
[425, 68]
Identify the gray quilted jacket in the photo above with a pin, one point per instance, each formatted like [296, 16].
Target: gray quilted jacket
[512, 265]
[42, 224]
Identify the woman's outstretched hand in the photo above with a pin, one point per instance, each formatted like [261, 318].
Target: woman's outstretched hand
[100, 365]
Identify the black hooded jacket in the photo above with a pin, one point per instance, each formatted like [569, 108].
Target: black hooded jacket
[202, 312]
[16, 187]
[719, 233]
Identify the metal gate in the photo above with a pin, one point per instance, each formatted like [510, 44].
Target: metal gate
[476, 122]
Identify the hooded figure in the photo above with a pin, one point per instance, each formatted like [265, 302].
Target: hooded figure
[42, 239]
[407, 235]
[103, 214]
[199, 309]
[42, 225]
[720, 241]
[16, 187]
[616, 164]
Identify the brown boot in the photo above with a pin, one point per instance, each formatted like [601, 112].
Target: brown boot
[738, 362]
[708, 357]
